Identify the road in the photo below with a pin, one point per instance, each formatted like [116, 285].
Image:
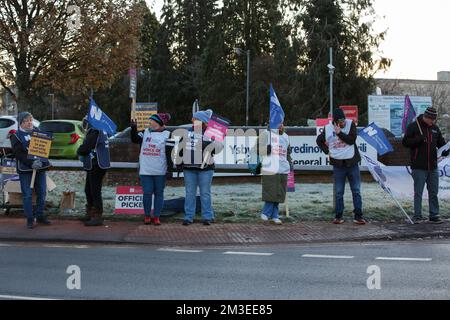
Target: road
[397, 270]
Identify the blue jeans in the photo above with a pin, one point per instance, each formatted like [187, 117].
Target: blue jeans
[354, 178]
[271, 210]
[40, 187]
[153, 185]
[431, 178]
[194, 179]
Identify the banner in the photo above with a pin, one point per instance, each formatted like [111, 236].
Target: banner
[8, 171]
[99, 120]
[376, 138]
[217, 128]
[399, 182]
[143, 112]
[388, 111]
[291, 182]
[40, 145]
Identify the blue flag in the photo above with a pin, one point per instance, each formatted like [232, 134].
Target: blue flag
[99, 120]
[376, 138]
[276, 111]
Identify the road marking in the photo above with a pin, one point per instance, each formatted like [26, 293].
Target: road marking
[248, 253]
[65, 246]
[179, 250]
[404, 259]
[23, 298]
[5, 245]
[320, 256]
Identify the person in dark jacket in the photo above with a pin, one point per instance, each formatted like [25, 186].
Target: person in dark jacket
[424, 138]
[94, 153]
[197, 154]
[20, 141]
[339, 141]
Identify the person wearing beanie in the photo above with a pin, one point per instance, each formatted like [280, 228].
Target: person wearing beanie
[20, 141]
[424, 138]
[196, 159]
[338, 140]
[155, 163]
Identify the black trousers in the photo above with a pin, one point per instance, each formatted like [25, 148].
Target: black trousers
[93, 187]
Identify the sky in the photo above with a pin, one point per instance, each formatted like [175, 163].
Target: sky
[417, 41]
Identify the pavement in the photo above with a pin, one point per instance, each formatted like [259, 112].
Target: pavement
[217, 234]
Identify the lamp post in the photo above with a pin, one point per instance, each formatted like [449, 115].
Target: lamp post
[239, 51]
[53, 105]
[331, 69]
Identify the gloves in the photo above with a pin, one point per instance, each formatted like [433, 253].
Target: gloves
[37, 164]
[81, 158]
[133, 124]
[446, 153]
[269, 149]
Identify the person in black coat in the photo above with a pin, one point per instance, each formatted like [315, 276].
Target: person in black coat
[94, 153]
[424, 138]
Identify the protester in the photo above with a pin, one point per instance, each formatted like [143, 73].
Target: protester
[154, 163]
[197, 154]
[94, 153]
[339, 141]
[423, 138]
[275, 167]
[20, 142]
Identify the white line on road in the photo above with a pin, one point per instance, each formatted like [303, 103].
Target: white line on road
[65, 246]
[22, 298]
[249, 253]
[5, 245]
[404, 259]
[179, 250]
[320, 256]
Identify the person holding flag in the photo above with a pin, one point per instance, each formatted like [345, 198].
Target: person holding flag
[20, 142]
[94, 153]
[196, 158]
[276, 164]
[424, 138]
[339, 141]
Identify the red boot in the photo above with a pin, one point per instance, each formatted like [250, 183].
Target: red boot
[156, 221]
[147, 220]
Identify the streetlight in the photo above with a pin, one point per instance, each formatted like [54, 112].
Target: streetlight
[331, 69]
[239, 51]
[53, 105]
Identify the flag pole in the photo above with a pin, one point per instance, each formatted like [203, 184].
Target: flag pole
[401, 208]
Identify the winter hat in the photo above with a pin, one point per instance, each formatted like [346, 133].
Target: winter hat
[22, 116]
[431, 113]
[203, 116]
[161, 118]
[338, 115]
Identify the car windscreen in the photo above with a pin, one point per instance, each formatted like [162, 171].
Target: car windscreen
[57, 127]
[6, 123]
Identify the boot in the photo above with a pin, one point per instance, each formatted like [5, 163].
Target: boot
[96, 219]
[88, 214]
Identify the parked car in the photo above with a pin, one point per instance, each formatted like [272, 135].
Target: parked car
[8, 126]
[68, 135]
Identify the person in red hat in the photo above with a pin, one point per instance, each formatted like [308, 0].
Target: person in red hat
[154, 163]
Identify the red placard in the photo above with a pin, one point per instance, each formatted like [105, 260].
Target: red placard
[351, 112]
[129, 200]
